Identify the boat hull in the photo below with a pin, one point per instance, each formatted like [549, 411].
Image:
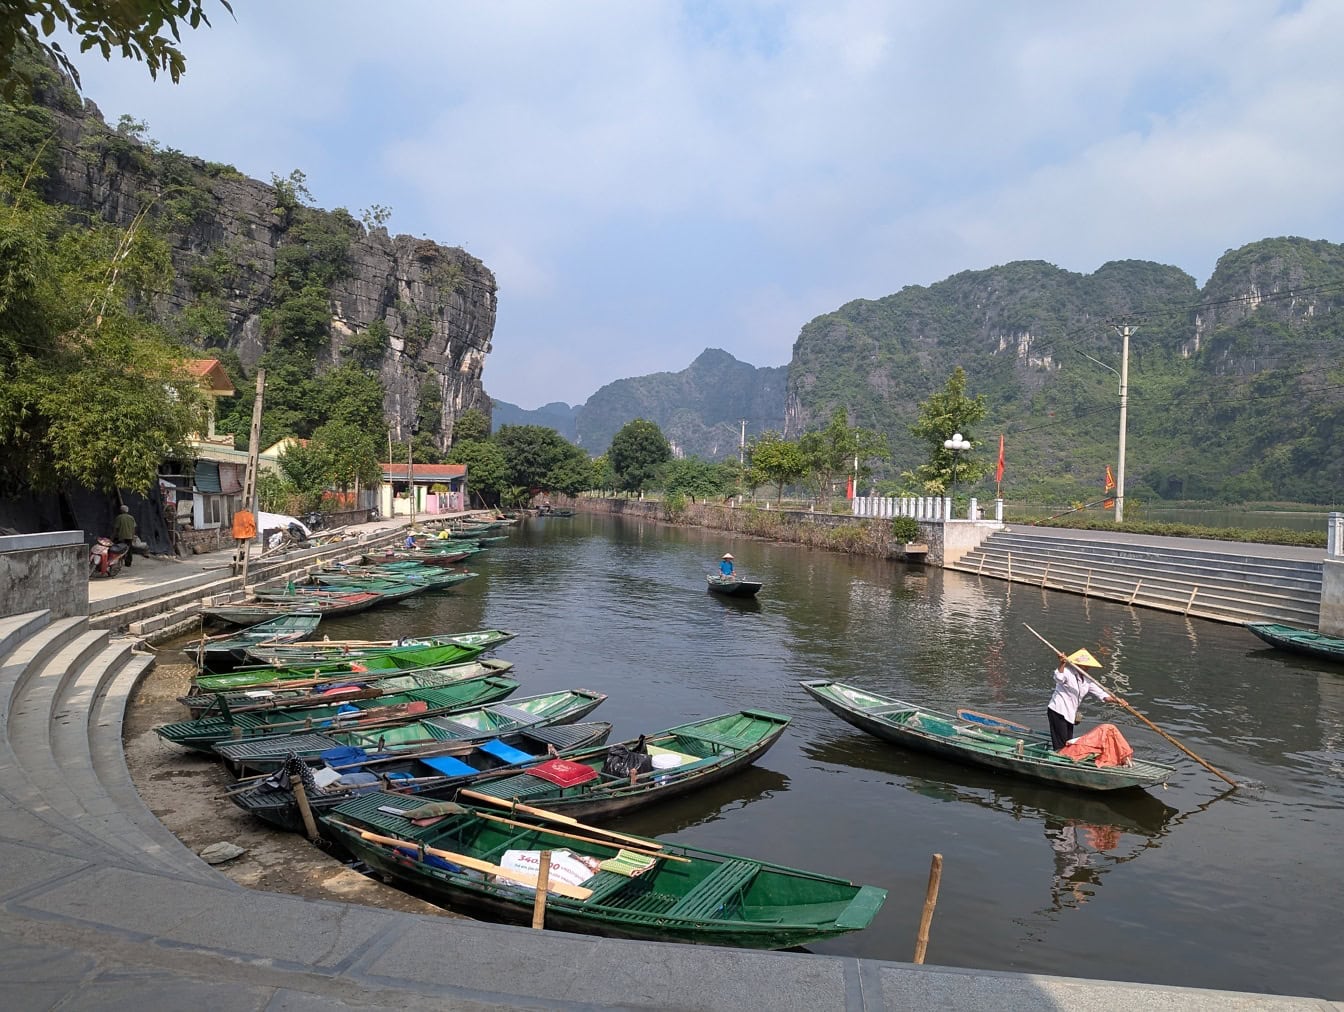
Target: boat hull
[1300, 641]
[733, 588]
[943, 735]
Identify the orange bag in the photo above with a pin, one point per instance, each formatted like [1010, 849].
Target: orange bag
[244, 525]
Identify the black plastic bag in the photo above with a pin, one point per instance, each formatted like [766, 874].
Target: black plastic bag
[620, 761]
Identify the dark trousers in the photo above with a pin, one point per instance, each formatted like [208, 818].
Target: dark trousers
[130, 551]
[1061, 730]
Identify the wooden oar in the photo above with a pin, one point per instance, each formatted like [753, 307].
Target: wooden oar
[567, 820]
[642, 848]
[466, 861]
[1120, 702]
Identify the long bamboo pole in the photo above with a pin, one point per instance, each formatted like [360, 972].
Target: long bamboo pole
[1120, 702]
[466, 861]
[641, 848]
[541, 813]
[543, 883]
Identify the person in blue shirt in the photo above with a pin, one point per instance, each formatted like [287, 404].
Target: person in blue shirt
[726, 565]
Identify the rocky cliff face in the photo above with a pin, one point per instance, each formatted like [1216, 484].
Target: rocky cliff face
[226, 232]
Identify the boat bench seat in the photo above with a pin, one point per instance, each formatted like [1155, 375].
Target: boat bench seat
[513, 713]
[726, 740]
[517, 787]
[714, 891]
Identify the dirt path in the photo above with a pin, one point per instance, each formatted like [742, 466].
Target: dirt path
[185, 790]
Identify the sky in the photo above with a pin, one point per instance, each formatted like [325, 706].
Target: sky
[649, 178]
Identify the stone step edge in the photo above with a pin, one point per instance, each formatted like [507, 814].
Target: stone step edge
[1111, 547]
[1305, 572]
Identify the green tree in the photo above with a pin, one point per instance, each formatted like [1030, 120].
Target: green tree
[572, 475]
[777, 461]
[137, 29]
[604, 478]
[947, 412]
[351, 454]
[637, 452]
[487, 468]
[696, 479]
[531, 452]
[90, 392]
[471, 426]
[840, 449]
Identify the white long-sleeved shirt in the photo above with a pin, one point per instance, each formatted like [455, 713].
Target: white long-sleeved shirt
[1071, 686]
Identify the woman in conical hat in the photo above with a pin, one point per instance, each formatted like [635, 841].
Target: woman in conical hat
[726, 564]
[1071, 686]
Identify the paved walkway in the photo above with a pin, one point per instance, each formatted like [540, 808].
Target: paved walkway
[83, 929]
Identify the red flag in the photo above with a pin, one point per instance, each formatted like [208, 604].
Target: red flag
[1110, 484]
[849, 488]
[998, 471]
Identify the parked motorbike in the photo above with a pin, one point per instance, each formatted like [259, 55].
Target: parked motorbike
[315, 520]
[106, 557]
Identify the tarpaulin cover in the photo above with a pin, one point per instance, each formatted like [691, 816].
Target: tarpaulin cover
[75, 508]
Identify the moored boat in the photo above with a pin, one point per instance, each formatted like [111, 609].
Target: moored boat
[969, 741]
[313, 690]
[682, 759]
[226, 652]
[375, 712]
[434, 735]
[1299, 641]
[336, 665]
[249, 613]
[631, 887]
[328, 784]
[321, 651]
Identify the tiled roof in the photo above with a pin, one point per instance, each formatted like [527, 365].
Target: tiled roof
[425, 472]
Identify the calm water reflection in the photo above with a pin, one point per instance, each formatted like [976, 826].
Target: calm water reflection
[1186, 885]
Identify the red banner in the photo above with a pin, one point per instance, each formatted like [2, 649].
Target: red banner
[998, 471]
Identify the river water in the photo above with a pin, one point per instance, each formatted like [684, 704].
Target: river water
[1188, 885]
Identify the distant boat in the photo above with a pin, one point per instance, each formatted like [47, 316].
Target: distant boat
[973, 742]
[732, 586]
[1300, 641]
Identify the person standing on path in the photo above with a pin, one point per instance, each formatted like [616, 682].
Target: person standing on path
[1071, 687]
[123, 530]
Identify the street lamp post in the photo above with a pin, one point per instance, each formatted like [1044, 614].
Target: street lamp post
[956, 444]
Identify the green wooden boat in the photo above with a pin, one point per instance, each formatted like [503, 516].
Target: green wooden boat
[431, 577]
[387, 589]
[681, 894]
[732, 586]
[250, 613]
[328, 784]
[315, 690]
[968, 741]
[325, 651]
[224, 653]
[1299, 641]
[338, 666]
[378, 712]
[433, 736]
[685, 758]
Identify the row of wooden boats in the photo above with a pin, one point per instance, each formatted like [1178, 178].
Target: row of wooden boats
[433, 774]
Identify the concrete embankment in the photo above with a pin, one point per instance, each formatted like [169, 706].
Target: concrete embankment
[833, 531]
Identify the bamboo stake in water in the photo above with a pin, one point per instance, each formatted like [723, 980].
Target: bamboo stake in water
[305, 810]
[543, 882]
[930, 901]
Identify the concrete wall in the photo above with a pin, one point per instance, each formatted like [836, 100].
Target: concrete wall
[1331, 622]
[833, 531]
[48, 571]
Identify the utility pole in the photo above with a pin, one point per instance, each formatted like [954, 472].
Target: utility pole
[1125, 331]
[250, 478]
[410, 472]
[742, 445]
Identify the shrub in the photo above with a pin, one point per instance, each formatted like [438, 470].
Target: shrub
[904, 529]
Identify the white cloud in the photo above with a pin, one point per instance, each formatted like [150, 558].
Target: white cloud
[642, 175]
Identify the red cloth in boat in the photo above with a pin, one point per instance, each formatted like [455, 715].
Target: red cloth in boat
[563, 773]
[1105, 742]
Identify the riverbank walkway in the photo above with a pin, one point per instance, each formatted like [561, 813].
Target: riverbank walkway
[103, 908]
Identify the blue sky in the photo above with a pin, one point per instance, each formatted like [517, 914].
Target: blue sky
[647, 179]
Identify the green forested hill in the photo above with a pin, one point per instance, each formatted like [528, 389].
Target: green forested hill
[699, 409]
[1234, 389]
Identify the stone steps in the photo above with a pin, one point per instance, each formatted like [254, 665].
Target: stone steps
[63, 691]
[1204, 584]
